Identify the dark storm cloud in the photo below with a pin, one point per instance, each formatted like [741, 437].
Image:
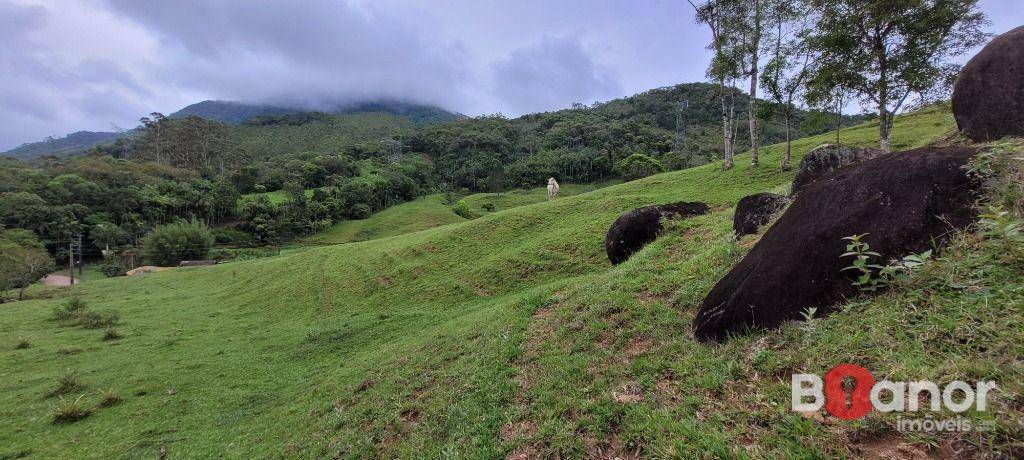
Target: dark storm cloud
[551, 74]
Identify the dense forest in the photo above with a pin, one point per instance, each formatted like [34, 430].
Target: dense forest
[347, 166]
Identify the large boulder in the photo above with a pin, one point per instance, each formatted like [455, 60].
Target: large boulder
[905, 202]
[988, 98]
[634, 229]
[755, 210]
[826, 158]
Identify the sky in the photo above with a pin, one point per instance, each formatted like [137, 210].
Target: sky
[97, 65]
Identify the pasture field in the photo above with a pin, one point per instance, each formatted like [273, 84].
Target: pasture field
[506, 335]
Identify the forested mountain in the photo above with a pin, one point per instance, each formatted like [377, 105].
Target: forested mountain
[74, 143]
[229, 111]
[661, 129]
[232, 112]
[237, 112]
[354, 164]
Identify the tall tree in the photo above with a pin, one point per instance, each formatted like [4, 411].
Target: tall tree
[23, 260]
[786, 72]
[884, 51]
[725, 64]
[753, 19]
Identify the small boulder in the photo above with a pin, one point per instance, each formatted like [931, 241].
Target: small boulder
[826, 158]
[755, 210]
[905, 202]
[988, 97]
[634, 229]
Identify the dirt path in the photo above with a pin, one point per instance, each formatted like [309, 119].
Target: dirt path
[58, 280]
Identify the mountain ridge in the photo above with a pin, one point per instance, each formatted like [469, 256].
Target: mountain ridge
[230, 112]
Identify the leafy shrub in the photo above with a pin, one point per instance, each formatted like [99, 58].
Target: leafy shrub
[173, 243]
[69, 411]
[1005, 230]
[113, 268]
[638, 166]
[230, 254]
[230, 236]
[462, 209]
[872, 276]
[360, 211]
[489, 207]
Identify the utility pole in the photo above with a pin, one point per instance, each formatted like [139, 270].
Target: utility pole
[71, 261]
[80, 261]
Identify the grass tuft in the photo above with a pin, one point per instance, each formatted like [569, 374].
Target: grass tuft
[111, 334]
[75, 313]
[109, 398]
[66, 384]
[66, 411]
[23, 344]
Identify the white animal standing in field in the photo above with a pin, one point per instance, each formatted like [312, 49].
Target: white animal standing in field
[552, 188]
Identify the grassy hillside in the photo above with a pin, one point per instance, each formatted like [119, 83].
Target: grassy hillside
[508, 334]
[431, 211]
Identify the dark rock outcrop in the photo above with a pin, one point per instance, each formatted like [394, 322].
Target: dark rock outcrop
[634, 229]
[988, 98]
[905, 202]
[826, 158]
[755, 210]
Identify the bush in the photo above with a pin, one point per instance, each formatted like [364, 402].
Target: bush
[360, 211]
[170, 244]
[113, 268]
[229, 254]
[638, 165]
[489, 207]
[462, 209]
[231, 236]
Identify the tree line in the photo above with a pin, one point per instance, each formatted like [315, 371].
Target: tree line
[825, 54]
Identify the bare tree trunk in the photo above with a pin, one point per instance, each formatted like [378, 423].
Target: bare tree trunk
[752, 106]
[885, 130]
[839, 124]
[883, 96]
[729, 125]
[752, 116]
[785, 166]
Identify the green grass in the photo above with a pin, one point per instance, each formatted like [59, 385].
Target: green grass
[432, 211]
[510, 333]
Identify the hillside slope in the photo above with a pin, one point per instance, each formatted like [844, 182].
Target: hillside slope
[71, 144]
[432, 211]
[509, 334]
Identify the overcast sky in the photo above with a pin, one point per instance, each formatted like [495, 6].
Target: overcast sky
[71, 65]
